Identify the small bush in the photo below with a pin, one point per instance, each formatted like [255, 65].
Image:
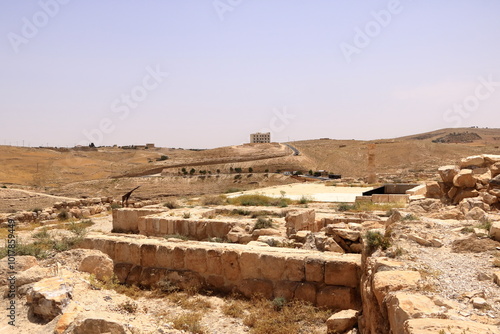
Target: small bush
[36, 210]
[171, 204]
[186, 215]
[409, 217]
[115, 206]
[279, 303]
[4, 187]
[162, 158]
[63, 215]
[233, 309]
[189, 322]
[345, 207]
[304, 200]
[129, 307]
[43, 234]
[259, 200]
[213, 200]
[263, 223]
[375, 240]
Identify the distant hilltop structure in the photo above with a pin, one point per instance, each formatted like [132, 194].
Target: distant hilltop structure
[260, 137]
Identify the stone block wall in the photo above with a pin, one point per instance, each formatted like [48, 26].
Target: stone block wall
[324, 279]
[161, 225]
[127, 220]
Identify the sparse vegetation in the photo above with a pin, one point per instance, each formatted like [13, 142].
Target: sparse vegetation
[162, 158]
[263, 223]
[189, 322]
[171, 204]
[176, 236]
[409, 217]
[259, 200]
[128, 306]
[63, 215]
[375, 240]
[186, 215]
[304, 200]
[213, 200]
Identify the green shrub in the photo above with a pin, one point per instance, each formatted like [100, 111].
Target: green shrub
[232, 190]
[304, 200]
[345, 207]
[263, 223]
[63, 215]
[162, 158]
[375, 240]
[259, 200]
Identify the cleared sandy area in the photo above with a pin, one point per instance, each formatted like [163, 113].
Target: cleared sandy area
[317, 192]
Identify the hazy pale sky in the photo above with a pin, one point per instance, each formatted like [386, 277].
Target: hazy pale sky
[207, 73]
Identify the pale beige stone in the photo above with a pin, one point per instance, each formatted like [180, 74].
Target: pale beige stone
[388, 281]
[433, 326]
[342, 321]
[402, 306]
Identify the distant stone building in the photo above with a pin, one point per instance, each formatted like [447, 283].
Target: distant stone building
[260, 137]
[150, 145]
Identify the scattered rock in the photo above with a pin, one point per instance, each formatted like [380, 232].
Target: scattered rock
[342, 321]
[48, 297]
[479, 303]
[99, 265]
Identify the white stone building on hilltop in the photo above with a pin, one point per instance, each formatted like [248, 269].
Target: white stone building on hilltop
[260, 137]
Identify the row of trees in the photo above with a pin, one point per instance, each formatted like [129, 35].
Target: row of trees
[238, 170]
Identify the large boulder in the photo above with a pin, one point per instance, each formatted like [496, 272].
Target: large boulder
[49, 297]
[93, 323]
[99, 265]
[491, 159]
[464, 179]
[447, 173]
[472, 161]
[495, 169]
[300, 220]
[434, 190]
[495, 182]
[495, 231]
[465, 193]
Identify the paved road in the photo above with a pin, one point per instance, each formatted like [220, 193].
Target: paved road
[295, 151]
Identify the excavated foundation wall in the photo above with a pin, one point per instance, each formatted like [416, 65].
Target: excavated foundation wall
[324, 279]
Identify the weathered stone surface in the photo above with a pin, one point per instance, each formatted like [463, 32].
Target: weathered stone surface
[495, 231]
[342, 321]
[433, 190]
[342, 273]
[447, 173]
[22, 263]
[472, 161]
[433, 326]
[495, 182]
[495, 169]
[48, 297]
[32, 275]
[332, 246]
[99, 265]
[97, 323]
[465, 193]
[402, 306]
[464, 179]
[496, 277]
[300, 220]
[420, 240]
[476, 214]
[388, 281]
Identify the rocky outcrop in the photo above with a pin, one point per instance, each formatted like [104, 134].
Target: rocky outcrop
[475, 176]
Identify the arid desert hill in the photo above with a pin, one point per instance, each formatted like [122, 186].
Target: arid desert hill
[68, 172]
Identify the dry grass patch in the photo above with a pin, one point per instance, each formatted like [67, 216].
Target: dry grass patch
[277, 316]
[190, 322]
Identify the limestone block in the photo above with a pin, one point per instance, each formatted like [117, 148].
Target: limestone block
[148, 255]
[230, 265]
[402, 306]
[214, 265]
[196, 260]
[432, 326]
[99, 265]
[342, 321]
[472, 161]
[255, 287]
[285, 289]
[388, 281]
[250, 265]
[344, 273]
[315, 269]
[464, 179]
[337, 297]
[272, 266]
[177, 255]
[163, 257]
[306, 292]
[294, 269]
